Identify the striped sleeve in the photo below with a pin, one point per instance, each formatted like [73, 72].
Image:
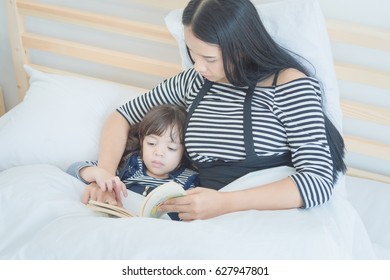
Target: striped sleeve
[298, 106]
[74, 169]
[171, 91]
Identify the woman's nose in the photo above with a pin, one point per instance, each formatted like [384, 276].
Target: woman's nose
[199, 67]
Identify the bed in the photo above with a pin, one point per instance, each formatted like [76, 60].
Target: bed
[68, 84]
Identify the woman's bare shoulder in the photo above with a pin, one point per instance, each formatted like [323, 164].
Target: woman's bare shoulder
[285, 76]
[289, 75]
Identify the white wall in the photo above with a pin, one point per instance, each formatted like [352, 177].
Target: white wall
[373, 13]
[370, 12]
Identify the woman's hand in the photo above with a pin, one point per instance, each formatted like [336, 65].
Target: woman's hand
[94, 192]
[199, 203]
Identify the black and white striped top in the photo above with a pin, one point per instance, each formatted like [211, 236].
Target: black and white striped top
[285, 118]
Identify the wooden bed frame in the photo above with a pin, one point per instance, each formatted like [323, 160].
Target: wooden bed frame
[2, 105]
[24, 41]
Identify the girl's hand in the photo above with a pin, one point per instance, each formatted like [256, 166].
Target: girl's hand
[199, 203]
[109, 184]
[104, 179]
[94, 192]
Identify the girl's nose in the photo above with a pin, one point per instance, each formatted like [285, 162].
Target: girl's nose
[158, 151]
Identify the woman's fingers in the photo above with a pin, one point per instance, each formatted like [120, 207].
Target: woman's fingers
[179, 205]
[94, 192]
[86, 196]
[199, 203]
[186, 217]
[90, 193]
[107, 197]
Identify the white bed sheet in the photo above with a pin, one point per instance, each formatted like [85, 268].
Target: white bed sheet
[42, 218]
[371, 201]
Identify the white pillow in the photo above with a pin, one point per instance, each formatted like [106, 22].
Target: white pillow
[59, 121]
[299, 26]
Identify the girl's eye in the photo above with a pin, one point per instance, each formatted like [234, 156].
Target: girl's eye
[172, 149]
[151, 143]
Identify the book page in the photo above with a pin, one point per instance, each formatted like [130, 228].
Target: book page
[158, 196]
[133, 202]
[109, 209]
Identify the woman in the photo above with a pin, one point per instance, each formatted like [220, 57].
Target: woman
[251, 106]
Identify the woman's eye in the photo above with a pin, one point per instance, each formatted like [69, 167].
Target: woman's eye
[151, 143]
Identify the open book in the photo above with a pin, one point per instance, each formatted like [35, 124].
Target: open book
[149, 206]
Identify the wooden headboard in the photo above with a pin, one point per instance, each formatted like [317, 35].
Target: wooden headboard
[145, 69]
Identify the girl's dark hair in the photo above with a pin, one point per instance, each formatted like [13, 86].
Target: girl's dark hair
[156, 121]
[161, 118]
[248, 51]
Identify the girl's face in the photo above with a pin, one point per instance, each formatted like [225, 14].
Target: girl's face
[161, 154]
[207, 57]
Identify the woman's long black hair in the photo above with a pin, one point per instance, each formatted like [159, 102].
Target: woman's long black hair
[249, 53]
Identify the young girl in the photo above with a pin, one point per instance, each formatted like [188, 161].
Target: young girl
[153, 156]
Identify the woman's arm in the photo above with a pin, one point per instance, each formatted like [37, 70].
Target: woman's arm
[113, 142]
[112, 145]
[279, 195]
[203, 203]
[298, 105]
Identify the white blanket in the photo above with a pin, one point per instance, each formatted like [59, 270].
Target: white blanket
[42, 218]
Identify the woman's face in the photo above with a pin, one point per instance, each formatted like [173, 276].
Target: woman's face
[207, 57]
[161, 154]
